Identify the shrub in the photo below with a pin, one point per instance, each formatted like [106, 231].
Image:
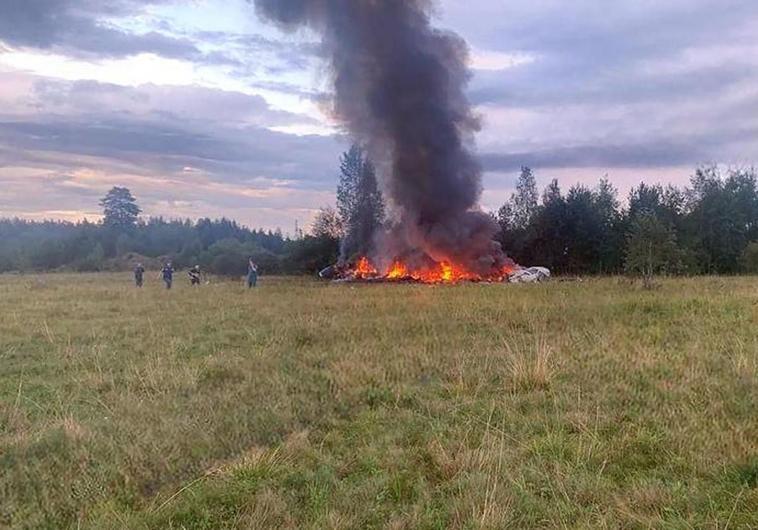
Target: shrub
[749, 258]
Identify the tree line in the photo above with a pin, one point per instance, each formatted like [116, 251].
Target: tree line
[122, 239]
[708, 227]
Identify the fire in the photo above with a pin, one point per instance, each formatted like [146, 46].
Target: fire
[364, 269]
[447, 272]
[442, 272]
[509, 269]
[397, 271]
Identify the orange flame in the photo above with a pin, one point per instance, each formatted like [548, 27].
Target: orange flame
[364, 269]
[442, 272]
[397, 271]
[448, 273]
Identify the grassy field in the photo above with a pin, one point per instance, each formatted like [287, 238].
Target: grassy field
[309, 405]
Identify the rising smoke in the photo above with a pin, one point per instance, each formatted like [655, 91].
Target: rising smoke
[399, 90]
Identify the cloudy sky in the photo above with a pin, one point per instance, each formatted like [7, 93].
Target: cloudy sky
[203, 110]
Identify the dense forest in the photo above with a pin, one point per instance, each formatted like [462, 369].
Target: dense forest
[122, 239]
[709, 227]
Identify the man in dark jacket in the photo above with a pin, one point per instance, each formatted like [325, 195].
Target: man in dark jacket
[194, 275]
[167, 272]
[139, 275]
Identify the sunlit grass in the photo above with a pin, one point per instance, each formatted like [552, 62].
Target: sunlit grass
[309, 405]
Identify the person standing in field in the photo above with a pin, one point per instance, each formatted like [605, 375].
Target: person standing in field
[194, 275]
[167, 272]
[252, 274]
[139, 274]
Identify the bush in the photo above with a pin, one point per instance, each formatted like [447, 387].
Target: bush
[229, 265]
[311, 254]
[749, 258]
[229, 257]
[93, 262]
[652, 248]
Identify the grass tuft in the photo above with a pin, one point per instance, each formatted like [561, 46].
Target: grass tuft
[530, 368]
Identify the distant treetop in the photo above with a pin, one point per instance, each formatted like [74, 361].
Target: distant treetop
[120, 209]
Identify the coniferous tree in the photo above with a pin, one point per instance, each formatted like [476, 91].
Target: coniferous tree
[516, 217]
[722, 217]
[551, 230]
[120, 209]
[610, 226]
[582, 230]
[525, 199]
[359, 202]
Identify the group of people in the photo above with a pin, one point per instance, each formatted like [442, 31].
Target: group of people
[194, 274]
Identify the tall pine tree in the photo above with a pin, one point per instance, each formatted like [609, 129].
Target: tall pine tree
[120, 209]
[359, 203]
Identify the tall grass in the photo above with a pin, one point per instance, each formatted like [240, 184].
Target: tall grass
[531, 367]
[309, 405]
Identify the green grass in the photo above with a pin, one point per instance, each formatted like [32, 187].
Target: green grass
[309, 405]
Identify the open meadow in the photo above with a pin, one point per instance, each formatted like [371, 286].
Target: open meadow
[310, 405]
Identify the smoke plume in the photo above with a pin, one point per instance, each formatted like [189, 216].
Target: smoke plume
[399, 90]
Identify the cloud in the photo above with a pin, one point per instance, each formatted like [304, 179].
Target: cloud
[540, 86]
[653, 154]
[211, 149]
[232, 152]
[99, 29]
[588, 32]
[83, 27]
[161, 103]
[615, 85]
[626, 87]
[616, 53]
[48, 194]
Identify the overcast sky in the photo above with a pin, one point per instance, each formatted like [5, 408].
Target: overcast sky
[202, 110]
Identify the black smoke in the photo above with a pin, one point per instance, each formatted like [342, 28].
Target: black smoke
[399, 90]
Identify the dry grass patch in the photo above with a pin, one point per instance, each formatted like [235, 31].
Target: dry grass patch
[530, 367]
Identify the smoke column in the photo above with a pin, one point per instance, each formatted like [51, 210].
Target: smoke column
[399, 90]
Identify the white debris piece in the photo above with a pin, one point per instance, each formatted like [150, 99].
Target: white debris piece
[530, 275]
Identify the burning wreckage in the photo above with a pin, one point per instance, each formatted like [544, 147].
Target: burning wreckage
[435, 273]
[399, 91]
